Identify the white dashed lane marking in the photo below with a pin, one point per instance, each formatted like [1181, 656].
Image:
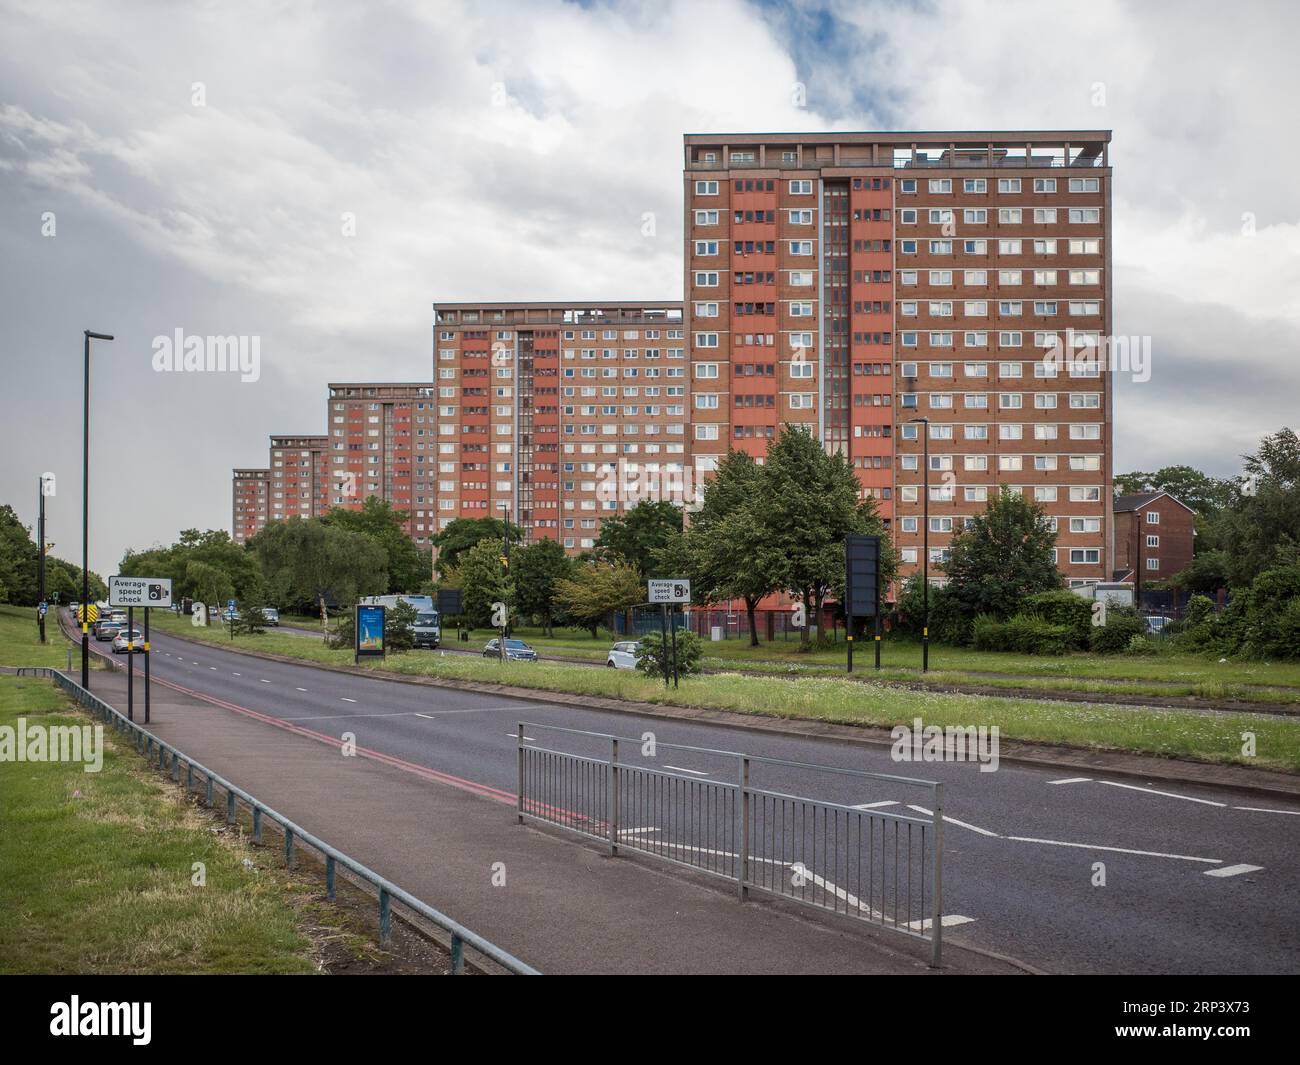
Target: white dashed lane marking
[1166, 794]
[1071, 780]
[1233, 870]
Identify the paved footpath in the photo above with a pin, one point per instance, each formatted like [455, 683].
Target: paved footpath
[565, 908]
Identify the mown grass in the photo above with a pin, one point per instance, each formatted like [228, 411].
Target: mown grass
[1180, 733]
[19, 643]
[98, 867]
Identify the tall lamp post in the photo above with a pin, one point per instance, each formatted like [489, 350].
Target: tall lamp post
[505, 560]
[40, 560]
[85, 507]
[925, 549]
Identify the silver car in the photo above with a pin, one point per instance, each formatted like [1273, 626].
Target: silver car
[122, 644]
[623, 655]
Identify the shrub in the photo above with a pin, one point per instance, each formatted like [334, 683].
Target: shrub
[1122, 624]
[1200, 608]
[1138, 645]
[988, 633]
[1025, 633]
[650, 655]
[1064, 608]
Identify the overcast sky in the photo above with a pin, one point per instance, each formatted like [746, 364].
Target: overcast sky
[170, 166]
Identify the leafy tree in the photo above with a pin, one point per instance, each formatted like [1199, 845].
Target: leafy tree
[206, 582]
[637, 537]
[482, 580]
[463, 533]
[537, 569]
[214, 549]
[724, 551]
[810, 501]
[399, 627]
[1002, 556]
[408, 566]
[251, 620]
[1207, 573]
[308, 563]
[1262, 530]
[598, 589]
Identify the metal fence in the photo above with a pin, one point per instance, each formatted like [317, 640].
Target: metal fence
[169, 758]
[868, 863]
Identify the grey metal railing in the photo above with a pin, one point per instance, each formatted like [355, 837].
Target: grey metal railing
[169, 758]
[860, 861]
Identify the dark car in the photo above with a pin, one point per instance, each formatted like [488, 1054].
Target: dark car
[516, 651]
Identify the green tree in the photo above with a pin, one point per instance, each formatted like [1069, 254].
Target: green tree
[483, 582]
[725, 551]
[1004, 554]
[638, 536]
[307, 564]
[207, 583]
[1262, 530]
[463, 533]
[650, 654]
[408, 566]
[597, 590]
[537, 569]
[810, 502]
[399, 627]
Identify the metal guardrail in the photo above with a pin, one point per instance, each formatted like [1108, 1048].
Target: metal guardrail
[169, 757]
[880, 867]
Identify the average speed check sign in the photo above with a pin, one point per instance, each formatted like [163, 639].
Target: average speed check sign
[670, 591]
[140, 591]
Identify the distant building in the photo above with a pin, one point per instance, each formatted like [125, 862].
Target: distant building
[1154, 533]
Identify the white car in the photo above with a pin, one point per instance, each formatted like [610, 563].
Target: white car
[623, 655]
[121, 644]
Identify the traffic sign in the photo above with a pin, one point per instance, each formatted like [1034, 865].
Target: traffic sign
[674, 591]
[140, 591]
[861, 576]
[43, 608]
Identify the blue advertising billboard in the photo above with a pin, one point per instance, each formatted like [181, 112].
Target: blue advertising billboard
[370, 630]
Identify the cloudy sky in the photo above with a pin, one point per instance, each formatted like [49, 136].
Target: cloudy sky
[317, 175]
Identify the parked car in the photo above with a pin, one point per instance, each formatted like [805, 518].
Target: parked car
[121, 641]
[516, 651]
[271, 615]
[623, 655]
[1156, 623]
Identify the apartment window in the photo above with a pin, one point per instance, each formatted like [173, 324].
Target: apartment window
[975, 277]
[1010, 215]
[801, 187]
[1085, 215]
[706, 188]
[975, 185]
[907, 216]
[1153, 517]
[1090, 246]
[907, 185]
[801, 247]
[706, 218]
[706, 371]
[801, 217]
[706, 247]
[975, 216]
[1153, 563]
[940, 185]
[706, 279]
[1045, 184]
[1153, 541]
[1044, 215]
[1085, 556]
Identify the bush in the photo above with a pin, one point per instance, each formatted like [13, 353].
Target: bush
[1200, 608]
[1064, 608]
[1138, 645]
[948, 624]
[650, 655]
[1122, 624]
[1025, 633]
[399, 627]
[251, 622]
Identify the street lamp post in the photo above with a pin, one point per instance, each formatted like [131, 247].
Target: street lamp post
[85, 507]
[925, 548]
[505, 535]
[40, 560]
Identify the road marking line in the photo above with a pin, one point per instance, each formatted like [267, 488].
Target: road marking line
[1266, 810]
[636, 831]
[683, 769]
[953, 821]
[300, 689]
[1071, 780]
[212, 667]
[346, 699]
[1115, 850]
[1166, 794]
[264, 680]
[1233, 870]
[515, 736]
[233, 674]
[946, 921]
[875, 805]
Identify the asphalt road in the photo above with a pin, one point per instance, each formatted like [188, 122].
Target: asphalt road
[1196, 880]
